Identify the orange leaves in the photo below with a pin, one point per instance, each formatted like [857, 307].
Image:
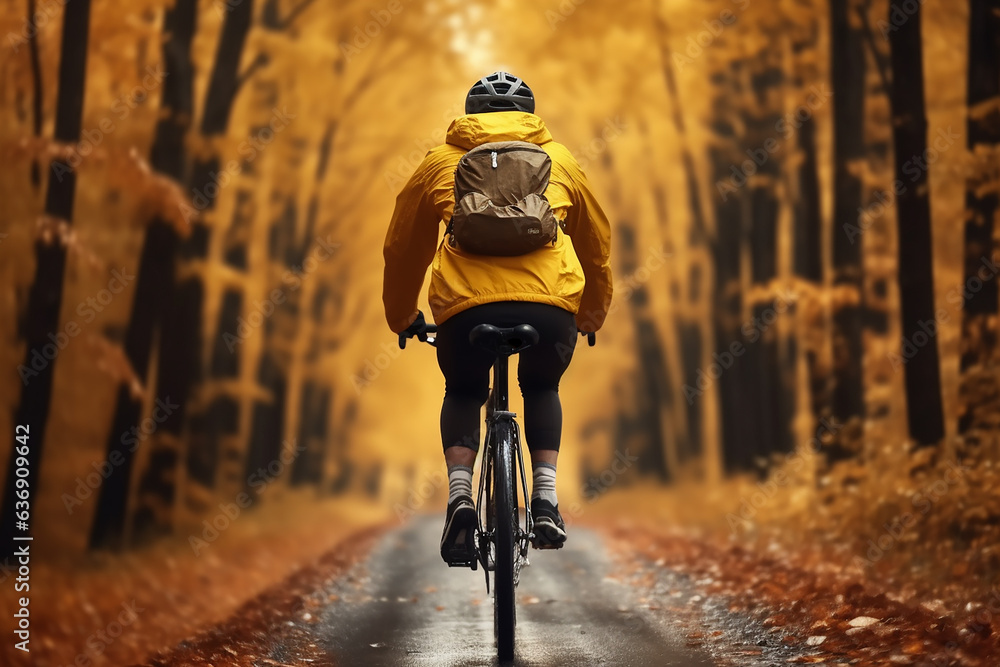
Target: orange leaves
[110, 359]
[806, 600]
[56, 230]
[125, 169]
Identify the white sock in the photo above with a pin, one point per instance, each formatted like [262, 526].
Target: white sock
[543, 482]
[459, 482]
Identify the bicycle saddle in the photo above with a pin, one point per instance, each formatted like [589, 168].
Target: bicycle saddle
[503, 341]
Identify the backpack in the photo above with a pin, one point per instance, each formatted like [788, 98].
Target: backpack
[500, 204]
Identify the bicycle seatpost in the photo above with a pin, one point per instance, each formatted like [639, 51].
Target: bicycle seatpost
[500, 378]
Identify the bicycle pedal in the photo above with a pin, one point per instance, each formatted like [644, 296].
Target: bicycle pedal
[469, 559]
[545, 544]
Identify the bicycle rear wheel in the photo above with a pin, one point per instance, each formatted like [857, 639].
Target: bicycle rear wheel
[505, 502]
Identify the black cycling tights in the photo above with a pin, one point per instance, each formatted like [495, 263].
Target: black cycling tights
[467, 371]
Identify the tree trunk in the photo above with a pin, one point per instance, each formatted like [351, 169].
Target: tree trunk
[45, 297]
[699, 233]
[738, 425]
[724, 374]
[980, 393]
[181, 335]
[647, 430]
[916, 270]
[848, 76]
[689, 343]
[774, 398]
[37, 93]
[154, 286]
[810, 341]
[315, 404]
[316, 400]
[808, 258]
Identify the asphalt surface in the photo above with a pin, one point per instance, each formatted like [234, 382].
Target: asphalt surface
[403, 607]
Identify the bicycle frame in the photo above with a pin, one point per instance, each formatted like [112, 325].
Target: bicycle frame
[498, 416]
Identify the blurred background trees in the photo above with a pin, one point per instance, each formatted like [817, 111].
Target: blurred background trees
[745, 152]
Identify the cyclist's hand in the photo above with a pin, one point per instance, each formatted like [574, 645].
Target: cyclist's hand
[591, 337]
[418, 328]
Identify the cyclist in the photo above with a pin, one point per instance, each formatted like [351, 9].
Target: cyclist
[560, 289]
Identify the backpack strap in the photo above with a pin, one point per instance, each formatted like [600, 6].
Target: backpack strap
[449, 229]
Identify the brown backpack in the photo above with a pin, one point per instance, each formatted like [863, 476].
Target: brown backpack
[500, 204]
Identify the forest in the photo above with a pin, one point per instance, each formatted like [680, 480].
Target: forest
[798, 378]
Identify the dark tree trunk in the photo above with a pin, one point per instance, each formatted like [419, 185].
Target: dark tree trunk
[155, 282]
[317, 395]
[724, 374]
[653, 442]
[807, 221]
[980, 392]
[642, 425]
[226, 80]
[808, 259]
[268, 418]
[36, 99]
[916, 270]
[181, 335]
[288, 249]
[848, 76]
[45, 297]
[308, 466]
[767, 387]
[699, 233]
[689, 336]
[738, 426]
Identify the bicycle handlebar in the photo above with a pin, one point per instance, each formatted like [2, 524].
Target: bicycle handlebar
[432, 329]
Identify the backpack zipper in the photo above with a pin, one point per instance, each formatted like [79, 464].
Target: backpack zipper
[494, 156]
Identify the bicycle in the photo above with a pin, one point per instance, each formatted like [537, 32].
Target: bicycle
[502, 542]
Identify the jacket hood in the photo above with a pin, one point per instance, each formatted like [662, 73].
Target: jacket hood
[475, 129]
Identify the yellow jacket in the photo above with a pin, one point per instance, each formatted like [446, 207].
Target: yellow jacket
[572, 274]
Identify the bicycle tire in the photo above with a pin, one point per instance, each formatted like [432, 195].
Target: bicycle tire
[504, 614]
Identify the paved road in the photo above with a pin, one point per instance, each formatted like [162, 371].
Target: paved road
[405, 608]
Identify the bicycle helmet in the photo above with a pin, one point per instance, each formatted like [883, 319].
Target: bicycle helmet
[500, 91]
